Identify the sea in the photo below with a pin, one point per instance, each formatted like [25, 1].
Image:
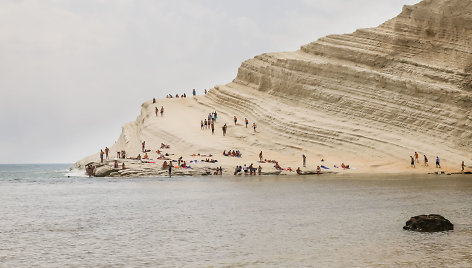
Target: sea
[52, 217]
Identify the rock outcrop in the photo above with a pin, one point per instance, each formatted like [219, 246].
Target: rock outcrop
[428, 223]
[372, 97]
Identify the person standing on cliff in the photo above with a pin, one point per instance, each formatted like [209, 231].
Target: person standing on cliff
[106, 152]
[153, 100]
[101, 156]
[194, 92]
[224, 129]
[304, 160]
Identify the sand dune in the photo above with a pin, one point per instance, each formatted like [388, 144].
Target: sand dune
[371, 99]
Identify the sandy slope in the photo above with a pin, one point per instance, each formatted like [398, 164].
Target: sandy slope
[369, 99]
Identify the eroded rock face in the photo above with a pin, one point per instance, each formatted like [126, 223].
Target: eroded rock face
[428, 223]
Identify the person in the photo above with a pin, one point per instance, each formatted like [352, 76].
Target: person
[123, 165]
[277, 166]
[463, 166]
[157, 111]
[412, 163]
[146, 156]
[138, 157]
[194, 92]
[101, 156]
[259, 170]
[176, 95]
[254, 126]
[162, 110]
[245, 169]
[205, 123]
[235, 120]
[205, 91]
[106, 152]
[170, 170]
[304, 160]
[116, 164]
[437, 162]
[201, 124]
[165, 165]
[185, 95]
[143, 145]
[213, 129]
[318, 170]
[260, 156]
[299, 171]
[416, 157]
[425, 160]
[118, 154]
[224, 130]
[246, 121]
[153, 100]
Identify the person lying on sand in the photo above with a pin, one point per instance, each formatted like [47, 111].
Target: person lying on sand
[299, 171]
[277, 166]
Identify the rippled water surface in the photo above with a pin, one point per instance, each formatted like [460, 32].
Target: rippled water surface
[49, 220]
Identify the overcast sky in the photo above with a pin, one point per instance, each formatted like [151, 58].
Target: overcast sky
[73, 72]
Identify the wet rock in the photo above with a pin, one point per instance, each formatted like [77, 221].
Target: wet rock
[428, 223]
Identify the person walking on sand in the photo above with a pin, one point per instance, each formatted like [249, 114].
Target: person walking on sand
[260, 156]
[162, 110]
[170, 170]
[463, 166]
[153, 100]
[101, 156]
[235, 120]
[246, 121]
[412, 161]
[213, 128]
[143, 145]
[416, 157]
[254, 126]
[437, 162]
[304, 160]
[157, 111]
[106, 152]
[201, 125]
[259, 170]
[425, 160]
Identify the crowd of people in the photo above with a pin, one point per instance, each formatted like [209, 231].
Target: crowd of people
[248, 169]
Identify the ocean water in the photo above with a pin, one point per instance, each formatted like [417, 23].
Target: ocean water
[50, 220]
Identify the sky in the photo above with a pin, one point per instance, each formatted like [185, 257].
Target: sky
[73, 72]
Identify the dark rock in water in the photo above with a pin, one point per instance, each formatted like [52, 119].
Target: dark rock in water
[428, 223]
